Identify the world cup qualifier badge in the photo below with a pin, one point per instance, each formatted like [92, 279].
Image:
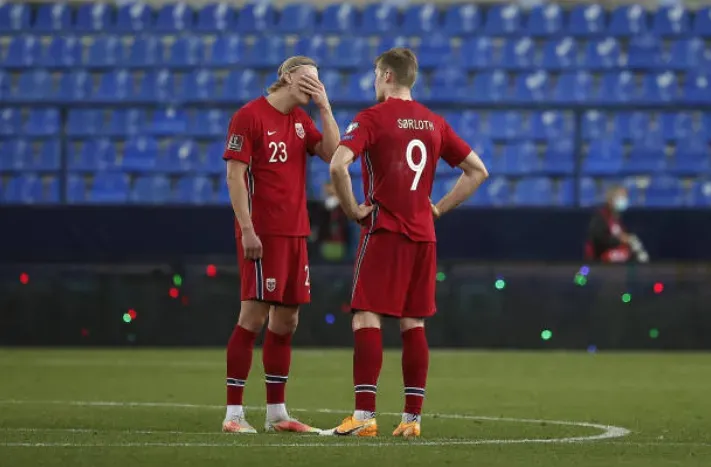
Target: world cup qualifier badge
[300, 130]
[235, 143]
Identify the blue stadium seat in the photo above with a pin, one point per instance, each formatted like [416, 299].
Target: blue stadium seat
[701, 193]
[466, 123]
[314, 46]
[702, 22]
[151, 189]
[462, 20]
[125, 122]
[23, 52]
[448, 84]
[503, 20]
[646, 156]
[186, 51]
[175, 17]
[241, 85]
[167, 122]
[551, 125]
[644, 52]
[10, 121]
[14, 17]
[114, 86]
[421, 19]
[573, 87]
[223, 193]
[28, 155]
[226, 51]
[477, 53]
[156, 86]
[692, 157]
[602, 54]
[16, 154]
[489, 87]
[83, 122]
[198, 86]
[660, 87]
[595, 125]
[560, 54]
[536, 191]
[64, 52]
[35, 86]
[334, 83]
[55, 17]
[109, 188]
[688, 54]
[589, 193]
[75, 87]
[389, 42]
[30, 189]
[140, 155]
[617, 87]
[519, 54]
[92, 155]
[586, 21]
[193, 190]
[94, 17]
[216, 17]
[604, 157]
[296, 18]
[339, 18]
[533, 87]
[631, 125]
[676, 126]
[697, 88]
[360, 87]
[105, 52]
[5, 90]
[208, 123]
[213, 163]
[266, 52]
[182, 157]
[545, 20]
[76, 189]
[559, 157]
[671, 21]
[42, 122]
[628, 20]
[145, 51]
[134, 17]
[518, 159]
[664, 191]
[256, 18]
[506, 125]
[435, 52]
[495, 192]
[378, 19]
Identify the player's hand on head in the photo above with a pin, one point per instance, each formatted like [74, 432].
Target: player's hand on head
[252, 245]
[314, 88]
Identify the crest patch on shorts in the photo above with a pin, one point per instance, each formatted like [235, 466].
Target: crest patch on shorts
[271, 284]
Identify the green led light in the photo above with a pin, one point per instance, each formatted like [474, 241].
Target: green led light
[126, 318]
[654, 333]
[441, 276]
[580, 279]
[626, 298]
[177, 280]
[499, 284]
[546, 334]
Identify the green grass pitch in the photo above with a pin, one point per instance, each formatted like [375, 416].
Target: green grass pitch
[164, 408]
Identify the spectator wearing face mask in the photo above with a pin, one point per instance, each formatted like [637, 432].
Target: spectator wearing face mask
[608, 239]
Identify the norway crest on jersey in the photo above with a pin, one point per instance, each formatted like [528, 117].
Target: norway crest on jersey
[300, 130]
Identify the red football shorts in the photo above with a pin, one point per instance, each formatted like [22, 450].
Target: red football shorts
[395, 276]
[281, 276]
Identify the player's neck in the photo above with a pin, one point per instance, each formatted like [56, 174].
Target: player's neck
[281, 101]
[403, 95]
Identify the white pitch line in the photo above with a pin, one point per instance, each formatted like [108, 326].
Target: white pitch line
[608, 431]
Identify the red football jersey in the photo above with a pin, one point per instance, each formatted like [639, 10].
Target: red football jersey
[400, 143]
[274, 145]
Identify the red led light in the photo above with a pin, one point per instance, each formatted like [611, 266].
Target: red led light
[184, 300]
[132, 313]
[658, 287]
[173, 292]
[84, 332]
[211, 270]
[24, 278]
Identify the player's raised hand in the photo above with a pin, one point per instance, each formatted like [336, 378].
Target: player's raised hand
[251, 244]
[314, 88]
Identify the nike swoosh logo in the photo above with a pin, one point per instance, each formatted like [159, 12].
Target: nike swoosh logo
[269, 133]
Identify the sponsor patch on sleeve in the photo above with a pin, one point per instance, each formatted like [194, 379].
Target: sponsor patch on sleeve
[351, 127]
[235, 143]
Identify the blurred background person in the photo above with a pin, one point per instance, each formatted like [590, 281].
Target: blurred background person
[608, 239]
[332, 232]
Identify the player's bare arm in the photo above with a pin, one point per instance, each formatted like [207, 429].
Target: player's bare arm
[474, 174]
[240, 204]
[343, 185]
[331, 134]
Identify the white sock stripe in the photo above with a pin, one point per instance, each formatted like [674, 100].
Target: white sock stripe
[365, 386]
[236, 382]
[277, 376]
[412, 387]
[366, 390]
[271, 379]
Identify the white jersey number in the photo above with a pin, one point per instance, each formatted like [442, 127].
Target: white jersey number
[420, 166]
[278, 152]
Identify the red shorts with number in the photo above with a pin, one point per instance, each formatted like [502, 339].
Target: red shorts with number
[281, 276]
[395, 276]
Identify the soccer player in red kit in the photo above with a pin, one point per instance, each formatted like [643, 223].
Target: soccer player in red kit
[400, 142]
[266, 153]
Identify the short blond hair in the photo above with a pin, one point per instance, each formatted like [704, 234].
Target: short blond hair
[402, 62]
[289, 65]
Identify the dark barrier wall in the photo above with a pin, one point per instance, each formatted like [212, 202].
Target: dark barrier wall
[150, 234]
[506, 306]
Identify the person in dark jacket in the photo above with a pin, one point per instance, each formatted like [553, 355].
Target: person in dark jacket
[608, 239]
